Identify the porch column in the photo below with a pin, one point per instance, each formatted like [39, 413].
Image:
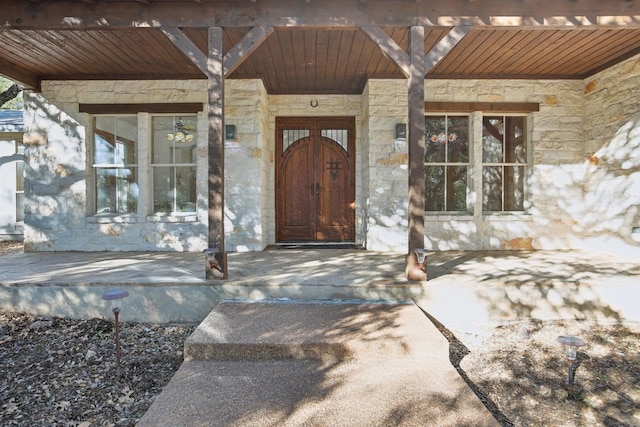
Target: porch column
[415, 139]
[215, 91]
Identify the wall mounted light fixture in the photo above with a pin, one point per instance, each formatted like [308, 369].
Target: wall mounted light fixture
[401, 131]
[230, 132]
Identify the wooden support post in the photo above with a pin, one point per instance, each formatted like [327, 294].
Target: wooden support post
[416, 152]
[215, 90]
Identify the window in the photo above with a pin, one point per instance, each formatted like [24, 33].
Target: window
[115, 164]
[20, 182]
[173, 164]
[504, 163]
[446, 163]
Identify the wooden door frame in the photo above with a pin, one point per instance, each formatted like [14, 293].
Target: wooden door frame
[283, 122]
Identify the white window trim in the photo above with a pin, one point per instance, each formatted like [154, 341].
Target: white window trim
[144, 177]
[474, 194]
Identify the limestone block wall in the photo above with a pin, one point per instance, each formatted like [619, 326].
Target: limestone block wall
[55, 176]
[557, 151]
[246, 166]
[59, 184]
[583, 188]
[612, 174]
[387, 163]
[362, 208]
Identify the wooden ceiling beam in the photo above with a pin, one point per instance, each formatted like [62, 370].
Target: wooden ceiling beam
[327, 13]
[187, 47]
[245, 47]
[444, 46]
[232, 60]
[26, 79]
[390, 49]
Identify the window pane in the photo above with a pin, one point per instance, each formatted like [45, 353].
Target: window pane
[514, 188]
[173, 163]
[445, 188]
[116, 190]
[458, 140]
[492, 137]
[19, 175]
[457, 188]
[174, 139]
[115, 140]
[435, 139]
[434, 188]
[492, 188]
[290, 136]
[163, 185]
[19, 207]
[186, 189]
[174, 189]
[338, 135]
[515, 147]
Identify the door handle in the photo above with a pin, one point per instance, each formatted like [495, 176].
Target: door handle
[317, 188]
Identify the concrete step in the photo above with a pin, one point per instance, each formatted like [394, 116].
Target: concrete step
[337, 330]
[312, 364]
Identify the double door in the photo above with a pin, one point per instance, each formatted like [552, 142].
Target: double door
[315, 179]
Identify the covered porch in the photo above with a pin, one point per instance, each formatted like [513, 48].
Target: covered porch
[309, 49]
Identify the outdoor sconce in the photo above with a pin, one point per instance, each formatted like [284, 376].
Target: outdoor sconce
[115, 296]
[421, 255]
[401, 131]
[571, 345]
[229, 132]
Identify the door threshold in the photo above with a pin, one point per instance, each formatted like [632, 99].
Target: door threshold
[316, 245]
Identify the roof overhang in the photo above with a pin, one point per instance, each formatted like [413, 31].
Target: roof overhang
[313, 46]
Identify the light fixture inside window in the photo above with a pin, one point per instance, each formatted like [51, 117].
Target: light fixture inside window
[181, 132]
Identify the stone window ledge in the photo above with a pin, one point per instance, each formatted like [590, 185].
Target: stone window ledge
[109, 219]
[507, 216]
[448, 217]
[174, 218]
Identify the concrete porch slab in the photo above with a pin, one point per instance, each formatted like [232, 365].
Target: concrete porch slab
[469, 292]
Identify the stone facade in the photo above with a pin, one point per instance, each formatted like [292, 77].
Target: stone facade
[582, 184]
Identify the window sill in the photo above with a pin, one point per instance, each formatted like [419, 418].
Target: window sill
[173, 217]
[447, 216]
[506, 216]
[111, 218]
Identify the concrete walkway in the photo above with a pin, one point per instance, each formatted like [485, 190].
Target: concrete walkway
[317, 364]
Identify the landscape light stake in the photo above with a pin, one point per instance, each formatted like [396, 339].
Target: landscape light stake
[114, 296]
[571, 349]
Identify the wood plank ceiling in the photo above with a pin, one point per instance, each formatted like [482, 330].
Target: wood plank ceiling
[308, 60]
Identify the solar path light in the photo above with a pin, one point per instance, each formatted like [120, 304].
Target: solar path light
[571, 345]
[115, 296]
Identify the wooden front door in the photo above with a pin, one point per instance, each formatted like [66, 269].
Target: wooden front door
[315, 179]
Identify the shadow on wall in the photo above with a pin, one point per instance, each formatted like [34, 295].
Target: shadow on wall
[593, 205]
[54, 163]
[598, 202]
